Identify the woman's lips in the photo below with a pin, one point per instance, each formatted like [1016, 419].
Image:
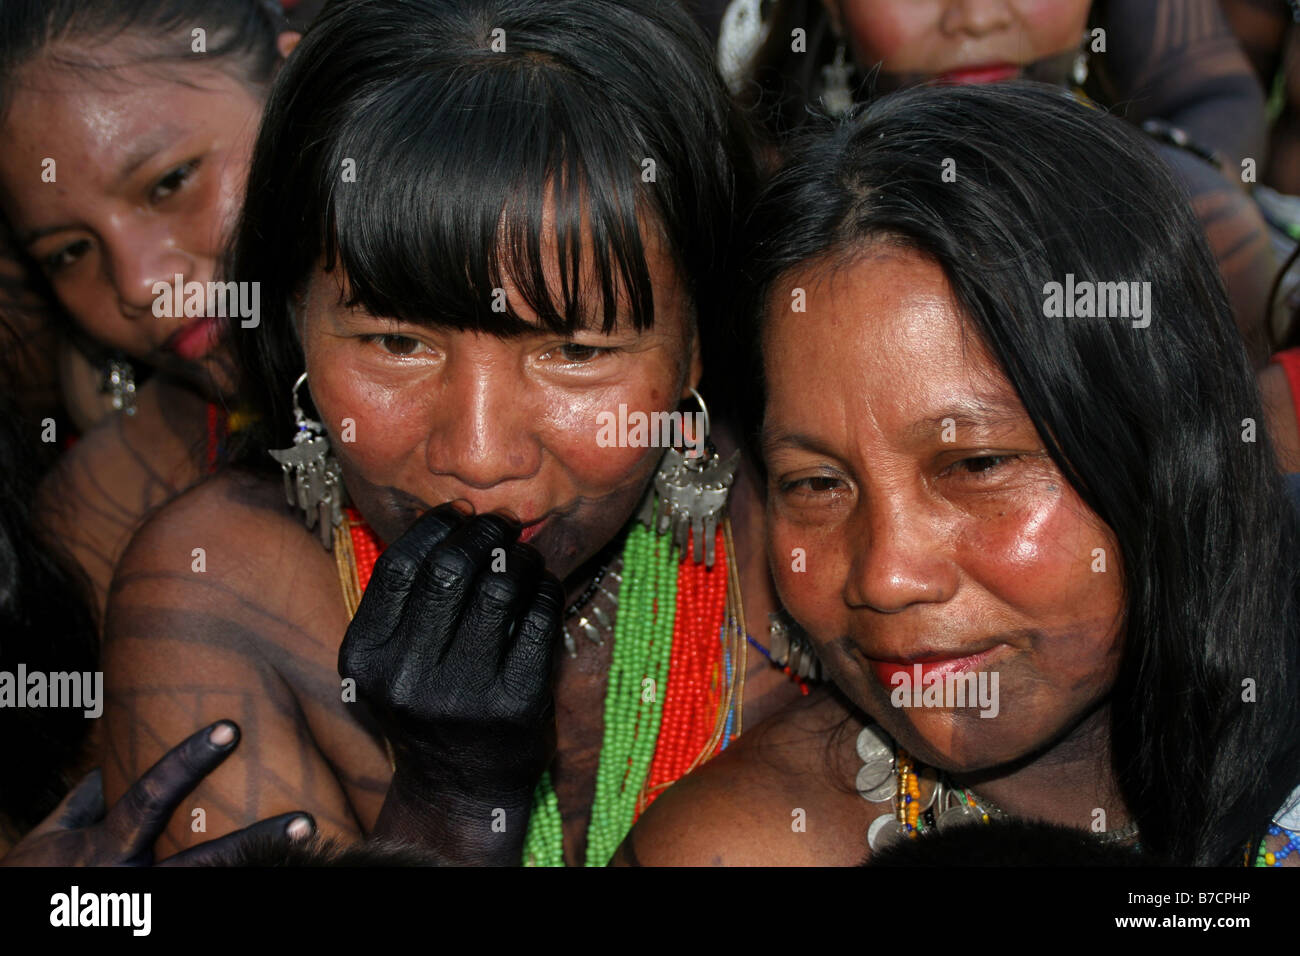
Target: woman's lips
[193, 341]
[531, 531]
[885, 670]
[987, 73]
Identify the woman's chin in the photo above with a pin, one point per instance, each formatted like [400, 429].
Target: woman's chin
[955, 742]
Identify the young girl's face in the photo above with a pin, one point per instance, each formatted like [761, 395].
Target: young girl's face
[959, 41]
[917, 525]
[114, 180]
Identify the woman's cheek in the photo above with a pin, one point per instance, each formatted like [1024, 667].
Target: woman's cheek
[1055, 26]
[1043, 557]
[368, 425]
[885, 31]
[579, 433]
[807, 575]
[92, 303]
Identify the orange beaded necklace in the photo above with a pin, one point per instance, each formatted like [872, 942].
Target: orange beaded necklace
[701, 712]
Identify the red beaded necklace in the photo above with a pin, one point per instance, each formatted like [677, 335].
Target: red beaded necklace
[700, 698]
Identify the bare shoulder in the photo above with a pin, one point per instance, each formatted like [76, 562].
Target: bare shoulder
[228, 546]
[102, 488]
[237, 514]
[782, 795]
[224, 606]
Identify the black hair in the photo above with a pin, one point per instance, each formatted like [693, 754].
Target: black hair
[1147, 424]
[46, 624]
[613, 111]
[241, 32]
[1009, 842]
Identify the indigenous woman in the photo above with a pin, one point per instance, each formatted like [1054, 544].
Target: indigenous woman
[128, 127]
[482, 228]
[1080, 519]
[1171, 65]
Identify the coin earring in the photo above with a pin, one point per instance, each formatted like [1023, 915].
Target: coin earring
[693, 490]
[313, 480]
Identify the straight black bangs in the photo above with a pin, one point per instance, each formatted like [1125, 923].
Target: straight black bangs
[518, 176]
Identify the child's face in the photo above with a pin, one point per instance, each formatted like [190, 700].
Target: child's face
[147, 174]
[960, 41]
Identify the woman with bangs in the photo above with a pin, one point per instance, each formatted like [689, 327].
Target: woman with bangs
[484, 230]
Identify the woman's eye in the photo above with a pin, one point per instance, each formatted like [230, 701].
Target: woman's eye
[394, 344]
[66, 256]
[814, 485]
[983, 464]
[173, 181]
[576, 353]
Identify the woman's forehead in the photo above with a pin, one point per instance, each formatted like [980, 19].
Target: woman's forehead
[885, 322]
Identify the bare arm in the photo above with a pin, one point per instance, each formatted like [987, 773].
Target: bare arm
[1178, 60]
[246, 638]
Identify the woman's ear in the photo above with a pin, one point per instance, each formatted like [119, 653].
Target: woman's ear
[286, 41]
[299, 313]
[697, 363]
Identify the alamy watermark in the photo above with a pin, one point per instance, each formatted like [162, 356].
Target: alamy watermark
[638, 429]
[946, 689]
[1086, 299]
[242, 300]
[75, 908]
[83, 690]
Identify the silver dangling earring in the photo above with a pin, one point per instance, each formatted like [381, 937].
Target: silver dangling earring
[1079, 72]
[693, 491]
[837, 95]
[313, 480]
[791, 647]
[119, 382]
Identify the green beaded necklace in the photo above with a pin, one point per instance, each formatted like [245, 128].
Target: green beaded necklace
[643, 636]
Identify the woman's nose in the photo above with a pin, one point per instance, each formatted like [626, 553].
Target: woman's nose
[484, 432]
[899, 559]
[977, 18]
[140, 260]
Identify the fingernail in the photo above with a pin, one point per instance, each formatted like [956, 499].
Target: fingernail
[299, 828]
[463, 506]
[222, 735]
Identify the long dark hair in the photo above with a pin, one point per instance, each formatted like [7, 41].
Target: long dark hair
[611, 111]
[1147, 424]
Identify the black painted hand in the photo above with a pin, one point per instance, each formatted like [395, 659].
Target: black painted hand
[80, 833]
[452, 648]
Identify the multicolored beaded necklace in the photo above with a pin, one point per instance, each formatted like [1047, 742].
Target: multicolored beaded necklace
[675, 683]
[923, 801]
